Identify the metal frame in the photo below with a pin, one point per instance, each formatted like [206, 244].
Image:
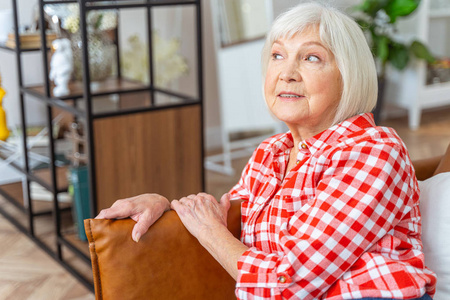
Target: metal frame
[87, 115]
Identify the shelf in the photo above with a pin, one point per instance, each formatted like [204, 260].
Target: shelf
[104, 88]
[101, 88]
[435, 95]
[15, 191]
[2, 46]
[40, 174]
[131, 96]
[131, 130]
[439, 13]
[117, 4]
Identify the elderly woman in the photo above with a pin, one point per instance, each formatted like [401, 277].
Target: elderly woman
[331, 208]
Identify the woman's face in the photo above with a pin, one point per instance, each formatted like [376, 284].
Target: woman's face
[303, 84]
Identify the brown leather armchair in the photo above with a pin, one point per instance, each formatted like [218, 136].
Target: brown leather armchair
[168, 262]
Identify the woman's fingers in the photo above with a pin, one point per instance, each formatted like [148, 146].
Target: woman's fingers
[120, 211]
[145, 209]
[143, 223]
[177, 205]
[225, 201]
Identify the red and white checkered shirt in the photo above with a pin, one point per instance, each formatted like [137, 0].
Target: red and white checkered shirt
[343, 224]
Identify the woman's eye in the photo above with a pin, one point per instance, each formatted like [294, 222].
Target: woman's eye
[276, 56]
[312, 58]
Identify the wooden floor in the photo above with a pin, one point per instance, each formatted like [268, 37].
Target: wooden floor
[27, 272]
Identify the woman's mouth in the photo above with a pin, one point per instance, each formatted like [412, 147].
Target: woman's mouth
[289, 96]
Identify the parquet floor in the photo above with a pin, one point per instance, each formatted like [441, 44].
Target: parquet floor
[26, 272]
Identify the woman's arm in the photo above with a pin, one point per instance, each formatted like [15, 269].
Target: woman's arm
[205, 218]
[145, 209]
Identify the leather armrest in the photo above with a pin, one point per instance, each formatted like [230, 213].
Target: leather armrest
[167, 263]
[425, 168]
[444, 164]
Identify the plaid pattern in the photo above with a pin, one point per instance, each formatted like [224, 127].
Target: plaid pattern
[343, 224]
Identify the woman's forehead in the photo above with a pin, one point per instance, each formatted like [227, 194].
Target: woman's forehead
[310, 30]
[311, 34]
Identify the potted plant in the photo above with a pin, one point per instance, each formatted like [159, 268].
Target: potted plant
[378, 19]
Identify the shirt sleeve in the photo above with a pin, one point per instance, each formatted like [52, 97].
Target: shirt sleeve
[241, 189]
[359, 198]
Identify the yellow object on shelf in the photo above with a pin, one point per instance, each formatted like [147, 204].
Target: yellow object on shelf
[4, 132]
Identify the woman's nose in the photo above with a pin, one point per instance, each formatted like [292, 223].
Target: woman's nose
[290, 72]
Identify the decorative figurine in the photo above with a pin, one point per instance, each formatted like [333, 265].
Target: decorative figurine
[61, 66]
[4, 132]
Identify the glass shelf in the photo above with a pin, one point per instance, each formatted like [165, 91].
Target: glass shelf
[3, 46]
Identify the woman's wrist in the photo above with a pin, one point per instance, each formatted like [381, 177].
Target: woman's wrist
[224, 247]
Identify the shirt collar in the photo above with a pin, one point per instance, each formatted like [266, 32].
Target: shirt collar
[339, 131]
[326, 137]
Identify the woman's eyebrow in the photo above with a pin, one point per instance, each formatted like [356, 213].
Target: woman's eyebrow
[307, 44]
[314, 43]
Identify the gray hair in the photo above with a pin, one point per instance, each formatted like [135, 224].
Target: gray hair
[345, 39]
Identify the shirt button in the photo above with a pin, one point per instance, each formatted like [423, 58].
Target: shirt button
[303, 146]
[282, 279]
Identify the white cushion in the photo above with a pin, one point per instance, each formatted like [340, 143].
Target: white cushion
[435, 210]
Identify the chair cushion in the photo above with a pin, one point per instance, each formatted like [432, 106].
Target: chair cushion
[435, 210]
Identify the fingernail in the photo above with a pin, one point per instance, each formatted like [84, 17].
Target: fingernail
[137, 236]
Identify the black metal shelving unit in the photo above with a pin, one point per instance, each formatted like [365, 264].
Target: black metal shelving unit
[87, 115]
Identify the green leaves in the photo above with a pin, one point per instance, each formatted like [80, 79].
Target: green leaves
[383, 46]
[400, 8]
[421, 51]
[371, 7]
[393, 8]
[398, 55]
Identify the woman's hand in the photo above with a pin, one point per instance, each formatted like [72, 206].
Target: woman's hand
[206, 219]
[201, 214]
[145, 209]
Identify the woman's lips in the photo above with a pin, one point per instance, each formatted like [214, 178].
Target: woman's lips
[286, 96]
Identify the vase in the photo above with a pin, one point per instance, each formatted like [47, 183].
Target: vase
[101, 53]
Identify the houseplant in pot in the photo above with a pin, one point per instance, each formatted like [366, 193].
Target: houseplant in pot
[378, 19]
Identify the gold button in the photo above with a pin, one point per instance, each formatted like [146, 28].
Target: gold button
[282, 279]
[298, 161]
[304, 146]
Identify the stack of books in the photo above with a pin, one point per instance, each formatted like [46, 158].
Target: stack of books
[29, 40]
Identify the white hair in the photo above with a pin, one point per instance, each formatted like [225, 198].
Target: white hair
[345, 39]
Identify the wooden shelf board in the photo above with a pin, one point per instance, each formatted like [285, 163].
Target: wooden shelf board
[61, 176]
[76, 242]
[110, 85]
[15, 191]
